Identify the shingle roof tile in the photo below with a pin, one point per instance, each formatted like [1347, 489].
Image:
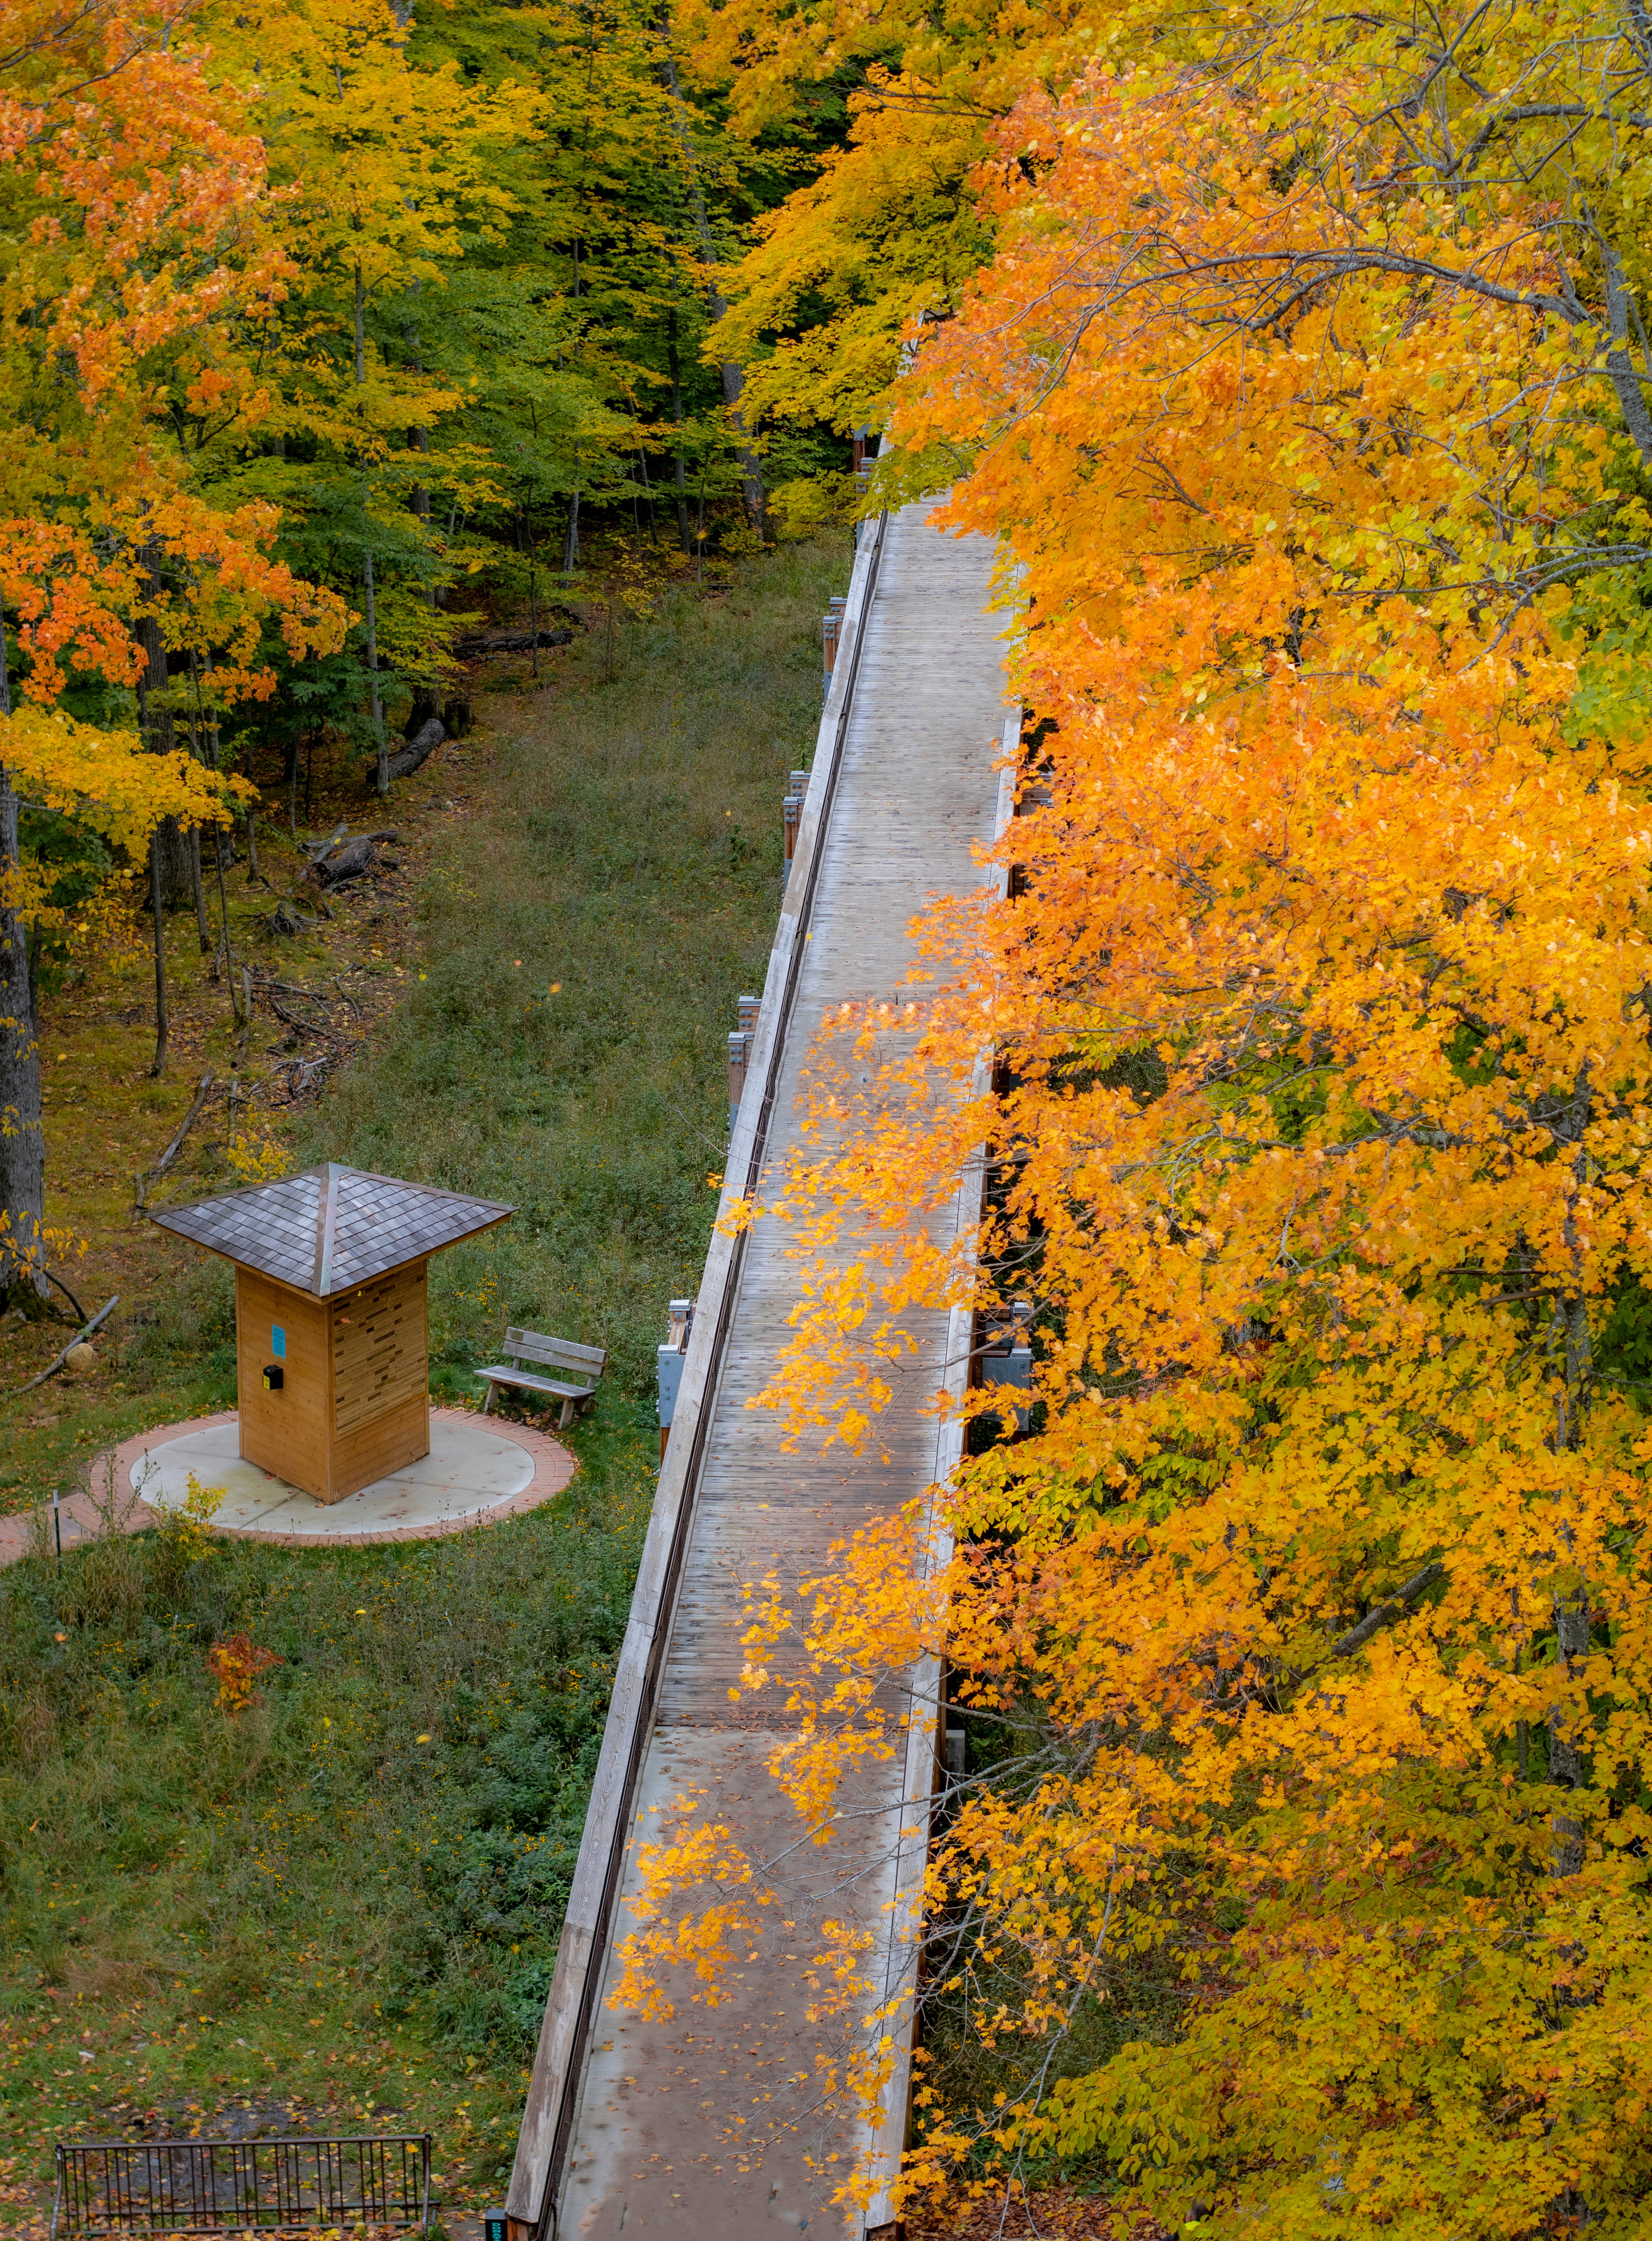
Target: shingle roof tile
[331, 1227]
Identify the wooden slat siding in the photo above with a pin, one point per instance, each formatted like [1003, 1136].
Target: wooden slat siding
[382, 1445]
[378, 1348]
[640, 2125]
[284, 1433]
[529, 1380]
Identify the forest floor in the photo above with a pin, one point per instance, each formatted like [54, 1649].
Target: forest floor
[337, 1909]
[531, 1001]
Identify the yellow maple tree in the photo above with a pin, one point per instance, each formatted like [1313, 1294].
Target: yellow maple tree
[1302, 1635]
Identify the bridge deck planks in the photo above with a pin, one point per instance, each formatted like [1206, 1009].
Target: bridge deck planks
[713, 2123]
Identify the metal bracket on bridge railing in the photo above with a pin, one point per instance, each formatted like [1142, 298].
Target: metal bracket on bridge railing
[240, 2186]
[1006, 1358]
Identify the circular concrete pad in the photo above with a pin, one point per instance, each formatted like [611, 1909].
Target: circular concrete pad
[478, 1469]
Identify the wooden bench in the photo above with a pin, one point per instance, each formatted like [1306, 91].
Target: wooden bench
[584, 1362]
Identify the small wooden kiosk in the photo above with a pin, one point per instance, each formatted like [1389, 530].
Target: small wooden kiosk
[333, 1352]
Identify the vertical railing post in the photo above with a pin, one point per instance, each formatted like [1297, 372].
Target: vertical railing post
[681, 1322]
[791, 822]
[831, 631]
[741, 1044]
[736, 1061]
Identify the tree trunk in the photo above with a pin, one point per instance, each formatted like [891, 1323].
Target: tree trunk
[524, 543]
[177, 891]
[159, 1066]
[372, 671]
[418, 439]
[734, 389]
[679, 474]
[198, 889]
[22, 1146]
[717, 304]
[223, 852]
[533, 591]
[426, 704]
[160, 734]
[1565, 1759]
[1569, 1723]
[147, 718]
[367, 559]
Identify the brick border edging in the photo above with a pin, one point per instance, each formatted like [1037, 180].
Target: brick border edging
[553, 1469]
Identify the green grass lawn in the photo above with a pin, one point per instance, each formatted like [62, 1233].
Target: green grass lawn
[339, 1907]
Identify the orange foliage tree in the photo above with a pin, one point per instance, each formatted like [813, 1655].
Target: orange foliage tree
[1469, 101]
[235, 1663]
[1303, 1637]
[142, 268]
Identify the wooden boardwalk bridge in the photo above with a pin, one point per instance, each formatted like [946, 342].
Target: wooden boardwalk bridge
[713, 2123]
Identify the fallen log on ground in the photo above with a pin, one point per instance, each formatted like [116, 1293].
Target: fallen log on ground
[471, 649]
[141, 1183]
[348, 860]
[79, 1339]
[285, 920]
[423, 743]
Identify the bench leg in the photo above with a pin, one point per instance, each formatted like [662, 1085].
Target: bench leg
[566, 1417]
[487, 1398]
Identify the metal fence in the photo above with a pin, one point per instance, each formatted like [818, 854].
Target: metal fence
[229, 2187]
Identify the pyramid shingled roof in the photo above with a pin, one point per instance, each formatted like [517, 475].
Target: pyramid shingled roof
[331, 1227]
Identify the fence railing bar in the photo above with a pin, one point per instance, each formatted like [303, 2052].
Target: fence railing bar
[293, 2185]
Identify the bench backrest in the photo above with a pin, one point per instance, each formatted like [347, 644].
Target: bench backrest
[585, 1362]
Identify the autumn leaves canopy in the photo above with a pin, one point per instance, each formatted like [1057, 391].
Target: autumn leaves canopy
[1303, 1638]
[312, 317]
[1298, 359]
